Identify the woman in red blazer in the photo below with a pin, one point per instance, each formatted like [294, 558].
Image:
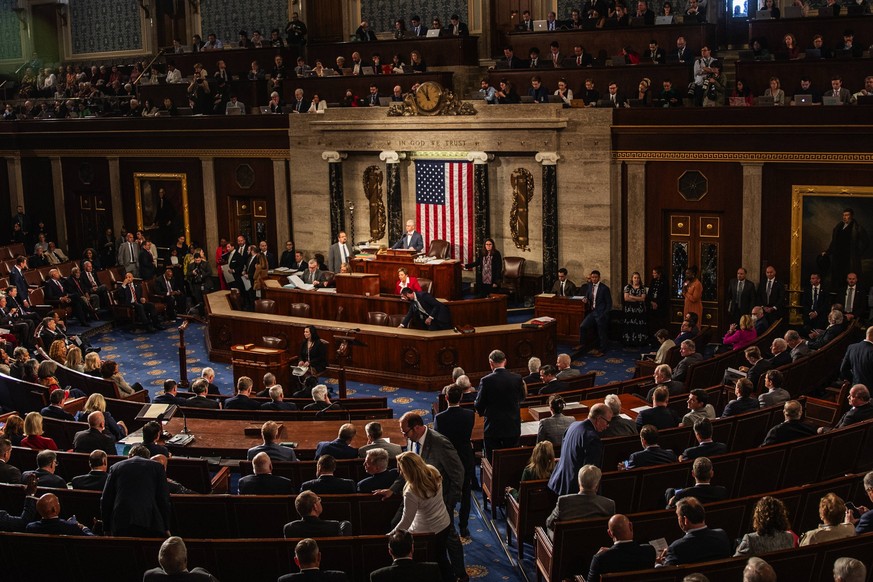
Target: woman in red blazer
[404, 280]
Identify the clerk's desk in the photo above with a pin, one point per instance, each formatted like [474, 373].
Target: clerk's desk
[410, 358]
[567, 311]
[446, 274]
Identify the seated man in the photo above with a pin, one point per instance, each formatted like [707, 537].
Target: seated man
[861, 408]
[199, 387]
[18, 523]
[403, 567]
[660, 415]
[652, 453]
[151, 432]
[168, 396]
[277, 400]
[624, 555]
[46, 463]
[8, 473]
[94, 438]
[49, 509]
[269, 382]
[758, 365]
[144, 311]
[699, 407]
[775, 392]
[380, 476]
[276, 452]
[551, 384]
[95, 479]
[308, 506]
[173, 560]
[55, 409]
[263, 482]
[690, 357]
[702, 490]
[57, 294]
[339, 448]
[744, 401]
[308, 559]
[565, 368]
[792, 428]
[700, 543]
[242, 400]
[325, 482]
[91, 284]
[586, 503]
[835, 327]
[663, 376]
[320, 398]
[375, 441]
[706, 446]
[170, 293]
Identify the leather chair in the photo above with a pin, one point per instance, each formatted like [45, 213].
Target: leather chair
[426, 284]
[235, 299]
[396, 319]
[439, 249]
[300, 310]
[265, 306]
[377, 318]
[513, 273]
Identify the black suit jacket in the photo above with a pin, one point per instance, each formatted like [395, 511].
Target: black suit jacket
[552, 387]
[830, 334]
[52, 290]
[699, 545]
[781, 359]
[315, 576]
[9, 473]
[776, 299]
[621, 557]
[705, 449]
[456, 424]
[442, 317]
[45, 479]
[146, 265]
[651, 456]
[660, 416]
[136, 494]
[192, 575]
[241, 402]
[16, 277]
[746, 301]
[382, 480]
[856, 414]
[405, 570]
[857, 366]
[265, 484]
[313, 527]
[789, 430]
[822, 305]
[92, 439]
[328, 484]
[93, 481]
[57, 412]
[199, 402]
[500, 395]
[337, 448]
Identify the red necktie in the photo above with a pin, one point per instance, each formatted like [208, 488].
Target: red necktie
[133, 292]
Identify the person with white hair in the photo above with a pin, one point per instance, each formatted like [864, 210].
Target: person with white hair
[849, 570]
[585, 503]
[757, 570]
[619, 425]
[173, 560]
[320, 398]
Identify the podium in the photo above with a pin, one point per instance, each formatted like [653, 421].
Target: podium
[445, 274]
[358, 284]
[568, 312]
[255, 361]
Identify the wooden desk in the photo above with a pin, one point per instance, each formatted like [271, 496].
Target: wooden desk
[476, 312]
[446, 276]
[238, 61]
[568, 312]
[357, 284]
[446, 51]
[256, 361]
[804, 29]
[392, 356]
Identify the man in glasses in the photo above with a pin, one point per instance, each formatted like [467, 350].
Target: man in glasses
[582, 446]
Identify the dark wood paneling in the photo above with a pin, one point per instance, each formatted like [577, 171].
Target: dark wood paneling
[324, 20]
[39, 199]
[84, 177]
[5, 202]
[226, 188]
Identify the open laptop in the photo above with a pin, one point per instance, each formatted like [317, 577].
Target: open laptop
[366, 70]
[527, 99]
[830, 100]
[803, 99]
[663, 20]
[763, 15]
[604, 103]
[764, 101]
[433, 32]
[635, 103]
[264, 109]
[541, 25]
[235, 111]
[813, 53]
[384, 101]
[555, 99]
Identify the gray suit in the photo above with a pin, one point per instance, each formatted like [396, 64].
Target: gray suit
[392, 449]
[568, 373]
[439, 452]
[128, 257]
[334, 256]
[579, 506]
[553, 428]
[774, 396]
[800, 350]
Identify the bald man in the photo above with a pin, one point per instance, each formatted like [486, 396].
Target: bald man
[94, 439]
[49, 509]
[624, 555]
[263, 482]
[175, 486]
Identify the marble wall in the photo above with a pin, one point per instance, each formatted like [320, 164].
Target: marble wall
[10, 37]
[226, 19]
[99, 26]
[382, 13]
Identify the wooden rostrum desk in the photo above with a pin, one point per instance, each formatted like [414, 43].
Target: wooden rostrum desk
[446, 276]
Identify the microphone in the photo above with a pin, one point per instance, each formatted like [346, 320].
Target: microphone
[184, 421]
[326, 408]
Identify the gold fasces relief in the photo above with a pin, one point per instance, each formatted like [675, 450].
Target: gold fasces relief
[522, 194]
[373, 192]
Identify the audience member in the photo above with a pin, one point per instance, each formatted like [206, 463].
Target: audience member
[308, 559]
[136, 499]
[540, 466]
[832, 511]
[652, 453]
[95, 479]
[18, 523]
[619, 425]
[757, 570]
[173, 560]
[456, 424]
[585, 503]
[849, 569]
[772, 529]
[699, 407]
[276, 452]
[376, 441]
[792, 428]
[94, 438]
[625, 555]
[775, 393]
[400, 545]
[243, 398]
[706, 447]
[325, 483]
[46, 464]
[8, 473]
[49, 508]
[700, 543]
[340, 447]
[308, 506]
[263, 482]
[376, 466]
[703, 490]
[660, 415]
[582, 446]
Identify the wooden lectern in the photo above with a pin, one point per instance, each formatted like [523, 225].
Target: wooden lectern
[254, 361]
[358, 284]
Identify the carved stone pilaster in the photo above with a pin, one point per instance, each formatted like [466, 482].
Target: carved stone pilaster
[393, 193]
[549, 162]
[481, 208]
[335, 185]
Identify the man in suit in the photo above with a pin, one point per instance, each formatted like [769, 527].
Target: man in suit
[861, 408]
[49, 509]
[403, 568]
[313, 275]
[456, 424]
[8, 473]
[434, 314]
[308, 558]
[170, 293]
[308, 506]
[95, 479]
[380, 476]
[145, 312]
[690, 357]
[652, 453]
[16, 277]
[277, 401]
[706, 447]
[581, 446]
[199, 387]
[741, 296]
[46, 464]
[340, 447]
[698, 407]
[816, 303]
[864, 524]
[91, 284]
[21, 328]
[416, 27]
[136, 499]
[325, 482]
[509, 60]
[276, 452]
[412, 239]
[499, 398]
[57, 294]
[146, 262]
[128, 255]
[565, 369]
[781, 353]
[663, 376]
[598, 300]
[456, 27]
[857, 365]
[551, 384]
[18, 523]
[173, 560]
[526, 24]
[94, 438]
[55, 409]
[243, 399]
[771, 295]
[743, 388]
[775, 392]
[836, 325]
[659, 415]
[263, 482]
[375, 441]
[624, 555]
[853, 299]
[168, 396]
[703, 490]
[583, 503]
[792, 429]
[338, 253]
[700, 543]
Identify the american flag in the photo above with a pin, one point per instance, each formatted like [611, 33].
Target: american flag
[444, 204]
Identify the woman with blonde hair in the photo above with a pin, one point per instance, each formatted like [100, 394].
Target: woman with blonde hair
[738, 337]
[542, 460]
[832, 511]
[33, 434]
[97, 403]
[92, 364]
[74, 359]
[58, 351]
[424, 511]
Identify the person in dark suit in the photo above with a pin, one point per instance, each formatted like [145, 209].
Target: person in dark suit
[499, 399]
[173, 560]
[170, 293]
[411, 239]
[136, 499]
[836, 326]
[861, 408]
[434, 314]
[771, 295]
[652, 453]
[816, 304]
[243, 399]
[287, 259]
[663, 376]
[340, 447]
[706, 447]
[702, 490]
[581, 447]
[168, 396]
[690, 357]
[659, 415]
[456, 27]
[792, 429]
[199, 387]
[308, 506]
[624, 555]
[744, 402]
[404, 568]
[584, 503]
[857, 365]
[380, 476]
[415, 26]
[325, 482]
[781, 353]
[308, 558]
[533, 365]
[853, 299]
[598, 300]
[314, 276]
[95, 479]
[55, 293]
[563, 287]
[276, 452]
[55, 408]
[145, 312]
[277, 401]
[549, 374]
[16, 278]
[146, 262]
[8, 473]
[46, 463]
[864, 524]
[18, 523]
[263, 482]
[49, 509]
[700, 543]
[526, 24]
[94, 438]
[741, 296]
[456, 424]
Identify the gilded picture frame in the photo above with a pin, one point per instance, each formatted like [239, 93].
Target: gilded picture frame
[147, 187]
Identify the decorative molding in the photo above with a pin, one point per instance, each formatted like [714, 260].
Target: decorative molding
[744, 157]
[391, 156]
[147, 153]
[479, 157]
[333, 157]
[547, 158]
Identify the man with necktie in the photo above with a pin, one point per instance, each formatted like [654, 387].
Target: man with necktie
[771, 295]
[816, 303]
[170, 293]
[563, 287]
[854, 299]
[411, 239]
[741, 296]
[338, 253]
[599, 302]
[92, 285]
[128, 255]
[144, 311]
[56, 294]
[417, 28]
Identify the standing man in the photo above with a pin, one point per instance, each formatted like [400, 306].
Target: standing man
[771, 295]
[741, 296]
[136, 498]
[456, 424]
[857, 366]
[599, 302]
[854, 300]
[412, 239]
[816, 302]
[128, 255]
[581, 446]
[432, 313]
[499, 398]
[338, 253]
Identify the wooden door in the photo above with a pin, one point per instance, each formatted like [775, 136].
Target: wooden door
[45, 31]
[695, 241]
[171, 22]
[249, 216]
[324, 21]
[90, 219]
[505, 16]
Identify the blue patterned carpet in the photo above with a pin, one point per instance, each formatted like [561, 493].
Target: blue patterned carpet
[152, 358]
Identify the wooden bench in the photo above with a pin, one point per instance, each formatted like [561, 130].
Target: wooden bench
[261, 416]
[301, 471]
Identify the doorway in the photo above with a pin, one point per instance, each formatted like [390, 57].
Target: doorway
[695, 241]
[45, 32]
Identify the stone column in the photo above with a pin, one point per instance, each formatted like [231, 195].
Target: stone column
[60, 210]
[16, 184]
[210, 209]
[393, 196]
[282, 201]
[335, 183]
[481, 193]
[549, 161]
[115, 197]
[636, 216]
[752, 187]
